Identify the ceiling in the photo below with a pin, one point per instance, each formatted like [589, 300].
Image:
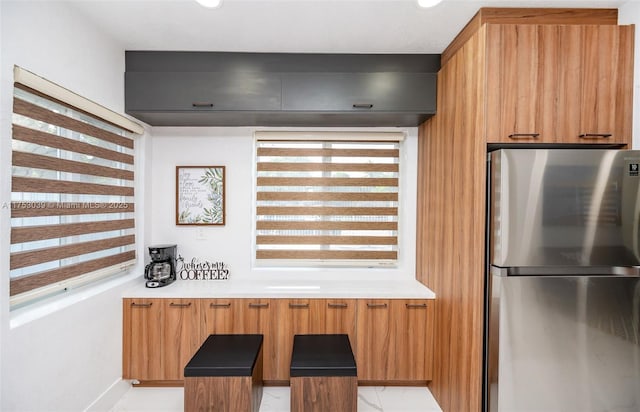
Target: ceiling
[313, 26]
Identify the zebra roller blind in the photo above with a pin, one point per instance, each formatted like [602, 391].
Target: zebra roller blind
[72, 197]
[327, 201]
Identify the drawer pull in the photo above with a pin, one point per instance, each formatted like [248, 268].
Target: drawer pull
[376, 305]
[524, 135]
[594, 135]
[258, 305]
[337, 305]
[220, 305]
[180, 305]
[141, 305]
[416, 305]
[201, 104]
[298, 305]
[362, 106]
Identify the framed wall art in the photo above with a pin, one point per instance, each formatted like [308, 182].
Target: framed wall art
[200, 195]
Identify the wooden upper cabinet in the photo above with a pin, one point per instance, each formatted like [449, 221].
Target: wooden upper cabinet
[559, 83]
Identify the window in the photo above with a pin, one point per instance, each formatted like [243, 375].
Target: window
[327, 199]
[72, 194]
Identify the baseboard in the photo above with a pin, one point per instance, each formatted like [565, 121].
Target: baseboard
[110, 397]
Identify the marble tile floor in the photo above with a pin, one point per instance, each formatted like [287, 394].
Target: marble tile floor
[276, 399]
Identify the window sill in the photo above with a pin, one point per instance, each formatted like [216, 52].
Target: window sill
[56, 303]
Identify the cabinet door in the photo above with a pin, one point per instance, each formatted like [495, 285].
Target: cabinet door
[255, 316]
[533, 83]
[340, 318]
[201, 91]
[373, 340]
[142, 338]
[181, 335]
[294, 316]
[394, 340]
[412, 350]
[559, 83]
[607, 84]
[375, 92]
[219, 316]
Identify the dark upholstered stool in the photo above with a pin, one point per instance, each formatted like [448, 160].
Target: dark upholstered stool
[225, 375]
[323, 374]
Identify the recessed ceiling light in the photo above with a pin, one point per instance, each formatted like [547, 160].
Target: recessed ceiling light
[210, 3]
[428, 3]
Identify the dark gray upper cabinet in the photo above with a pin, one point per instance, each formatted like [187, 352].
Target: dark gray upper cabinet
[359, 92]
[279, 89]
[186, 91]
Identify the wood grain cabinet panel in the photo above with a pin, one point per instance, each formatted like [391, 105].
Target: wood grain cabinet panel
[373, 337]
[256, 316]
[340, 318]
[180, 335]
[142, 337]
[391, 339]
[559, 83]
[292, 317]
[394, 340]
[219, 316]
[159, 337]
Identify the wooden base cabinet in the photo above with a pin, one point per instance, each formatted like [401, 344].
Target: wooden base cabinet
[159, 337]
[390, 338]
[142, 335]
[394, 340]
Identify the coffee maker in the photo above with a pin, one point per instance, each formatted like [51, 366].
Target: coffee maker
[162, 269]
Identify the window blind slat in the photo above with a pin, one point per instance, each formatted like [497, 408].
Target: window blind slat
[34, 257]
[37, 161]
[326, 240]
[326, 181]
[329, 196]
[327, 167]
[336, 225]
[44, 115]
[326, 254]
[308, 152]
[40, 279]
[41, 138]
[33, 233]
[40, 209]
[327, 211]
[35, 185]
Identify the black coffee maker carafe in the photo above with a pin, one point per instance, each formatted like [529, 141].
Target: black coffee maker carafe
[162, 269]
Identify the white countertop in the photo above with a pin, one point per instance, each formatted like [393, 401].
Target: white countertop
[245, 288]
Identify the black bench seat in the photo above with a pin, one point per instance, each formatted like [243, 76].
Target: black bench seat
[322, 355]
[225, 355]
[323, 373]
[225, 375]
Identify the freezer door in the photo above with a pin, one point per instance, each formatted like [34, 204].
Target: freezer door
[564, 208]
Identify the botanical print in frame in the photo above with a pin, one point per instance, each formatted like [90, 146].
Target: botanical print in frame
[200, 194]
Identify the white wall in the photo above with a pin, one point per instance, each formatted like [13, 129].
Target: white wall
[629, 13]
[65, 360]
[232, 243]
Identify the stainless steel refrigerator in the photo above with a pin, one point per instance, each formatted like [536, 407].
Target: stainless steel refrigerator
[563, 292]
